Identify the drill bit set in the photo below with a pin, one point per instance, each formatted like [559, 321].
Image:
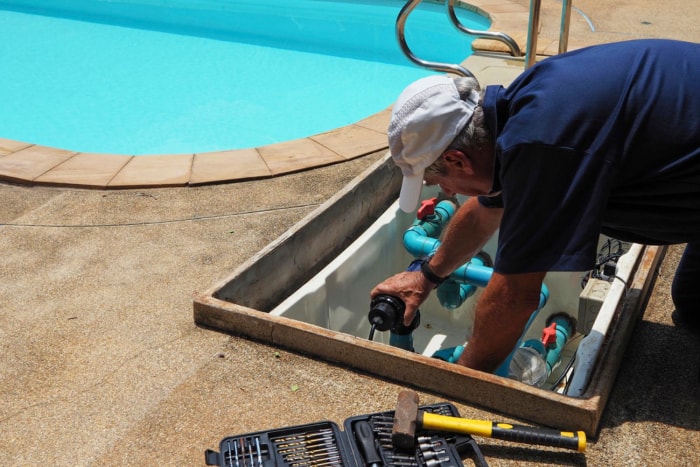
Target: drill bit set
[371, 440]
[366, 441]
[317, 444]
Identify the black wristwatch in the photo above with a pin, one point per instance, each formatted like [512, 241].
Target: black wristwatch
[430, 275]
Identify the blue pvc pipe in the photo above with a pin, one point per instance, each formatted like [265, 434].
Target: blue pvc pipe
[564, 330]
[422, 240]
[473, 273]
[505, 366]
[418, 243]
[434, 223]
[550, 354]
[401, 341]
[452, 293]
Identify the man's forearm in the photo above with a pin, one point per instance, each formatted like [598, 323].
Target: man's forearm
[501, 315]
[468, 231]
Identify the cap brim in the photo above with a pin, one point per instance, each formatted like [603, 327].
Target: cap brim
[410, 192]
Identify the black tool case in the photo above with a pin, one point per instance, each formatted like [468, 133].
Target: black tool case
[365, 441]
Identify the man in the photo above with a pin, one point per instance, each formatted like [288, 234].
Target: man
[603, 139]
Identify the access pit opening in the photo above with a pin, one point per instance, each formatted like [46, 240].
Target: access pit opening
[307, 293]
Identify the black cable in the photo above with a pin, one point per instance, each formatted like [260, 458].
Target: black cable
[610, 252]
[568, 366]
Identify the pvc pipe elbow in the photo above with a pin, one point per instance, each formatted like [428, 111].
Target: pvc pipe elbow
[544, 295]
[418, 244]
[473, 273]
[446, 209]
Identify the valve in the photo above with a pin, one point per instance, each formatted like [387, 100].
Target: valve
[427, 208]
[549, 336]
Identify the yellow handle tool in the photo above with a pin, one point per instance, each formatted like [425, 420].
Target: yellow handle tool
[504, 431]
[408, 418]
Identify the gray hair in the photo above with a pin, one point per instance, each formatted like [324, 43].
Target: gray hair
[473, 137]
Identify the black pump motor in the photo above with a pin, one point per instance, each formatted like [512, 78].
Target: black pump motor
[386, 314]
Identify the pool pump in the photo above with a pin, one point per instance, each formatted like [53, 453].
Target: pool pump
[386, 314]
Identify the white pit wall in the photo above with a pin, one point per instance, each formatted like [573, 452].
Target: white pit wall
[337, 298]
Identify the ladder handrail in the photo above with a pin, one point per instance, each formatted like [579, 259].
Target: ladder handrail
[564, 26]
[532, 31]
[498, 36]
[437, 66]
[531, 49]
[534, 24]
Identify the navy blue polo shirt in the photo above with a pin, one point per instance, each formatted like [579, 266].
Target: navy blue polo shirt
[602, 139]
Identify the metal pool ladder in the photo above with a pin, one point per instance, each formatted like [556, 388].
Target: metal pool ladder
[498, 36]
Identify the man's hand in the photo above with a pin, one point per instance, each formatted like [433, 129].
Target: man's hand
[466, 234]
[411, 287]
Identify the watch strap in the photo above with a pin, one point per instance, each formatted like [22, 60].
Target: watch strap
[430, 275]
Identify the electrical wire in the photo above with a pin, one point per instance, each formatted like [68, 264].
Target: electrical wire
[573, 342]
[610, 252]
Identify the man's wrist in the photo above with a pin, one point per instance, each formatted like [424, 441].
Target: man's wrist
[430, 275]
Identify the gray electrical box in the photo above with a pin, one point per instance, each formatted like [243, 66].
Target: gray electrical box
[589, 304]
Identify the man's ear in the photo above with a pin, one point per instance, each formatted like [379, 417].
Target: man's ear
[458, 161]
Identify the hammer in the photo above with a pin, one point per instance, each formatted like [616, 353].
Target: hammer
[408, 418]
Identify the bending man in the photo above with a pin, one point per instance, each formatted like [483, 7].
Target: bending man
[600, 140]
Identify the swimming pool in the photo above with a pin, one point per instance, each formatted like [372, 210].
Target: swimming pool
[183, 76]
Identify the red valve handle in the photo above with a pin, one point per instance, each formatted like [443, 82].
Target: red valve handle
[427, 208]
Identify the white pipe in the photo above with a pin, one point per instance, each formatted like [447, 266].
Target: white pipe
[589, 348]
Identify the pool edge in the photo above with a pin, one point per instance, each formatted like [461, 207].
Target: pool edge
[31, 164]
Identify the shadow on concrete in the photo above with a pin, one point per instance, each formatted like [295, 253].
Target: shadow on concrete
[509, 454]
[660, 380]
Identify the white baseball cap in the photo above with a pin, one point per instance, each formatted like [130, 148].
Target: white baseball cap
[426, 118]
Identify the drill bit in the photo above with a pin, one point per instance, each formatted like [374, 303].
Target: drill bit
[302, 436]
[311, 453]
[428, 439]
[257, 446]
[230, 453]
[317, 461]
[436, 462]
[382, 418]
[433, 454]
[242, 443]
[401, 463]
[304, 446]
[382, 422]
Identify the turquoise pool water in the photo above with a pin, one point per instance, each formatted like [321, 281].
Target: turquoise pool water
[182, 76]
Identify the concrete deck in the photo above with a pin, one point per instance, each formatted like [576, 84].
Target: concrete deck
[102, 364]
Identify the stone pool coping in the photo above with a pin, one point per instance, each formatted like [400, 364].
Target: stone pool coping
[32, 164]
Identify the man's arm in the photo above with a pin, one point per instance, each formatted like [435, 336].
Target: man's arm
[501, 315]
[468, 231]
